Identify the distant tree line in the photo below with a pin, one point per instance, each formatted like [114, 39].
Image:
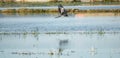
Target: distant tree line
[86, 0]
[68, 0]
[7, 0]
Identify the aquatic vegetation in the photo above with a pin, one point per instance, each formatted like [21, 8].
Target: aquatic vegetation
[52, 10]
[9, 11]
[41, 53]
[28, 11]
[23, 53]
[75, 10]
[6, 33]
[25, 35]
[22, 10]
[35, 33]
[101, 32]
[38, 36]
[56, 33]
[51, 53]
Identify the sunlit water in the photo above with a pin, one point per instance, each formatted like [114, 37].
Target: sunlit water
[65, 37]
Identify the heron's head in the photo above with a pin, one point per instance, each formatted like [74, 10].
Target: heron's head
[60, 6]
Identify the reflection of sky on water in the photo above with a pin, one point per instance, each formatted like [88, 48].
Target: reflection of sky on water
[29, 24]
[79, 45]
[63, 45]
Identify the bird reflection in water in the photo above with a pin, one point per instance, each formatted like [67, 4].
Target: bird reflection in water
[62, 46]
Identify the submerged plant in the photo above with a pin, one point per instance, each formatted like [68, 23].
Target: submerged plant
[101, 32]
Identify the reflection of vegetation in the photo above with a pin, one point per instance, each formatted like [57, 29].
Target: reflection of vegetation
[70, 14]
[25, 11]
[56, 33]
[8, 11]
[36, 33]
[25, 35]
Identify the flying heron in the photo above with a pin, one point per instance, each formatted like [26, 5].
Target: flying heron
[62, 11]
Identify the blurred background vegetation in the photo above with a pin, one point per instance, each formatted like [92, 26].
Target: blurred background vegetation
[24, 3]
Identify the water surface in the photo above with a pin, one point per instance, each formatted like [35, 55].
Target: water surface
[44, 36]
[99, 7]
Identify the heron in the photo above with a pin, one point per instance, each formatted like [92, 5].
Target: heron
[62, 11]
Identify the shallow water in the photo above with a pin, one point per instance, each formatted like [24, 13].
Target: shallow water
[50, 23]
[105, 7]
[44, 36]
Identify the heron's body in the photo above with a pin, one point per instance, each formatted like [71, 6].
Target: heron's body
[62, 10]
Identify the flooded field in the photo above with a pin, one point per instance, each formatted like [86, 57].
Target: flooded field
[103, 7]
[81, 35]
